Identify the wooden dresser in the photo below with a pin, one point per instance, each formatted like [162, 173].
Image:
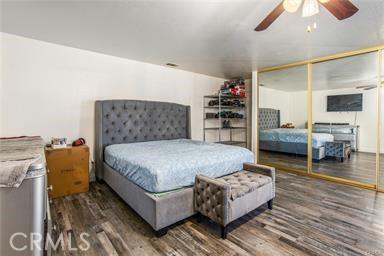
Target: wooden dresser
[68, 170]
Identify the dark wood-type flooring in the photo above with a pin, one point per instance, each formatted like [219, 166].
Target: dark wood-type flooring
[310, 217]
[361, 167]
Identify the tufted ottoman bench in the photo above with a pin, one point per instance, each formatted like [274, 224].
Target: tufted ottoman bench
[228, 198]
[338, 149]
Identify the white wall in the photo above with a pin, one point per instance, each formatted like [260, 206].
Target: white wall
[365, 119]
[299, 109]
[292, 106]
[276, 99]
[50, 90]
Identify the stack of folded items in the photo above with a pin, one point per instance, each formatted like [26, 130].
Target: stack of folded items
[227, 102]
[234, 87]
[229, 114]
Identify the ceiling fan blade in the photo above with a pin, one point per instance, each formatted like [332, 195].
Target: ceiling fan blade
[341, 9]
[271, 17]
[366, 87]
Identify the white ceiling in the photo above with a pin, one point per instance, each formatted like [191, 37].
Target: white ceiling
[213, 37]
[289, 80]
[360, 70]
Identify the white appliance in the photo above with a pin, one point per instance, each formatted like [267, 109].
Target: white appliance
[22, 214]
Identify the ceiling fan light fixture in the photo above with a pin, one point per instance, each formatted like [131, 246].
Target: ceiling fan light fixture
[291, 5]
[310, 8]
[341, 9]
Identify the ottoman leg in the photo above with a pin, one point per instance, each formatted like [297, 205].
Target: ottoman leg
[270, 204]
[224, 231]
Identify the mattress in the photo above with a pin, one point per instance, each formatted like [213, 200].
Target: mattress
[295, 136]
[159, 166]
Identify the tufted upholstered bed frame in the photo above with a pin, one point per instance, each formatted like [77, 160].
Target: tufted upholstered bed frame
[269, 118]
[129, 121]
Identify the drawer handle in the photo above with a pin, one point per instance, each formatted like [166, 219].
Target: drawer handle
[50, 188]
[50, 201]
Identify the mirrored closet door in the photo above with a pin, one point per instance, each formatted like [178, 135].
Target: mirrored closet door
[283, 115]
[344, 118]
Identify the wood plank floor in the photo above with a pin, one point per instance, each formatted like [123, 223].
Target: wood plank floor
[310, 217]
[361, 167]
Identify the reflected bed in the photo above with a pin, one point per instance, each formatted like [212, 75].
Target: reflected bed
[285, 140]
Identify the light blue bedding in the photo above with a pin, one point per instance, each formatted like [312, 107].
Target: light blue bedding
[295, 136]
[159, 166]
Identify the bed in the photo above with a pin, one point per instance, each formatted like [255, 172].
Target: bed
[144, 152]
[284, 140]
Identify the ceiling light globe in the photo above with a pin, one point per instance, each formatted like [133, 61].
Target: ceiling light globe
[291, 5]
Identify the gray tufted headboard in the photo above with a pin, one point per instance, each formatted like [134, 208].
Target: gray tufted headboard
[269, 118]
[128, 121]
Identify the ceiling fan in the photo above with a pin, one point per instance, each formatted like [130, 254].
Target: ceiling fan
[341, 9]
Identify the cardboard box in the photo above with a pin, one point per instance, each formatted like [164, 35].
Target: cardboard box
[68, 170]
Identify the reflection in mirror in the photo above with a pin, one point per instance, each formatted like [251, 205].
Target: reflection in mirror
[344, 114]
[283, 133]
